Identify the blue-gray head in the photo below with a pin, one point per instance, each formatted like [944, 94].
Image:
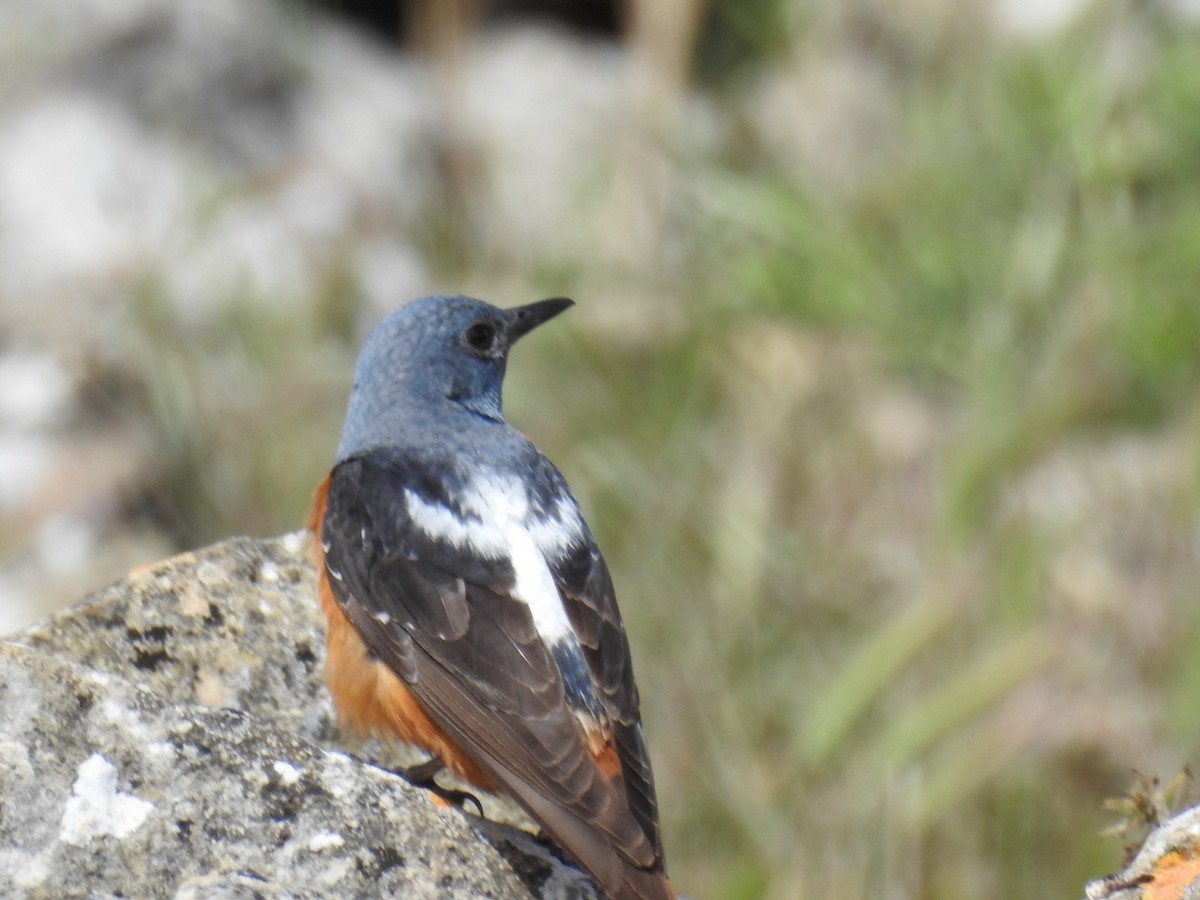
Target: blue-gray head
[431, 359]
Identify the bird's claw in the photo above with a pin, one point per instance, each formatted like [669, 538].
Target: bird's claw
[422, 775]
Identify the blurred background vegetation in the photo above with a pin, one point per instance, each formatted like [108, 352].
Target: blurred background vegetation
[881, 395]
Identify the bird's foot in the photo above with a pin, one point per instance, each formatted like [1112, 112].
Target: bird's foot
[422, 775]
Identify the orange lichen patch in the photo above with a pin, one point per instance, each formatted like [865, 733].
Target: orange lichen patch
[368, 696]
[1173, 874]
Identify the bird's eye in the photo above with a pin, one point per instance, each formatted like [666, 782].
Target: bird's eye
[481, 336]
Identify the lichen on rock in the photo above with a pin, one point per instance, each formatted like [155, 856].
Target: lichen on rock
[171, 737]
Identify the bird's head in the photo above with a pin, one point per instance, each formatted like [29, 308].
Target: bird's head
[432, 351]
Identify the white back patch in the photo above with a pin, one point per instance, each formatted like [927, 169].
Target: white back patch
[501, 525]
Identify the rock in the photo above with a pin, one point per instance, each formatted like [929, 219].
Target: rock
[1167, 867]
[171, 737]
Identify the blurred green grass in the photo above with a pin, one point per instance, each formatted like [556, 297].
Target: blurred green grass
[865, 464]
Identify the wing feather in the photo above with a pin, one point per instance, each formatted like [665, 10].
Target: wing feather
[591, 605]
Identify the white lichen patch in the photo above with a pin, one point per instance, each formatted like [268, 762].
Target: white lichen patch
[97, 809]
[335, 872]
[325, 840]
[117, 712]
[14, 761]
[288, 774]
[21, 707]
[27, 871]
[293, 542]
[160, 753]
[338, 775]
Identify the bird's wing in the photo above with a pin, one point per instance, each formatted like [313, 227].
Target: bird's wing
[444, 619]
[591, 603]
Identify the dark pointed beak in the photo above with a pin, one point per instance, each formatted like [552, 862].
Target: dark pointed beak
[523, 319]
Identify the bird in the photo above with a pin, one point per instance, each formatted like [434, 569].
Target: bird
[468, 609]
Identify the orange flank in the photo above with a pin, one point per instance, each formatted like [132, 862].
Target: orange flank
[368, 696]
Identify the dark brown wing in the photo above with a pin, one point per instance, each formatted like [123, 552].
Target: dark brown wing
[591, 604]
[444, 620]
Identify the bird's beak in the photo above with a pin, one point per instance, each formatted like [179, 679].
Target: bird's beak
[523, 319]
